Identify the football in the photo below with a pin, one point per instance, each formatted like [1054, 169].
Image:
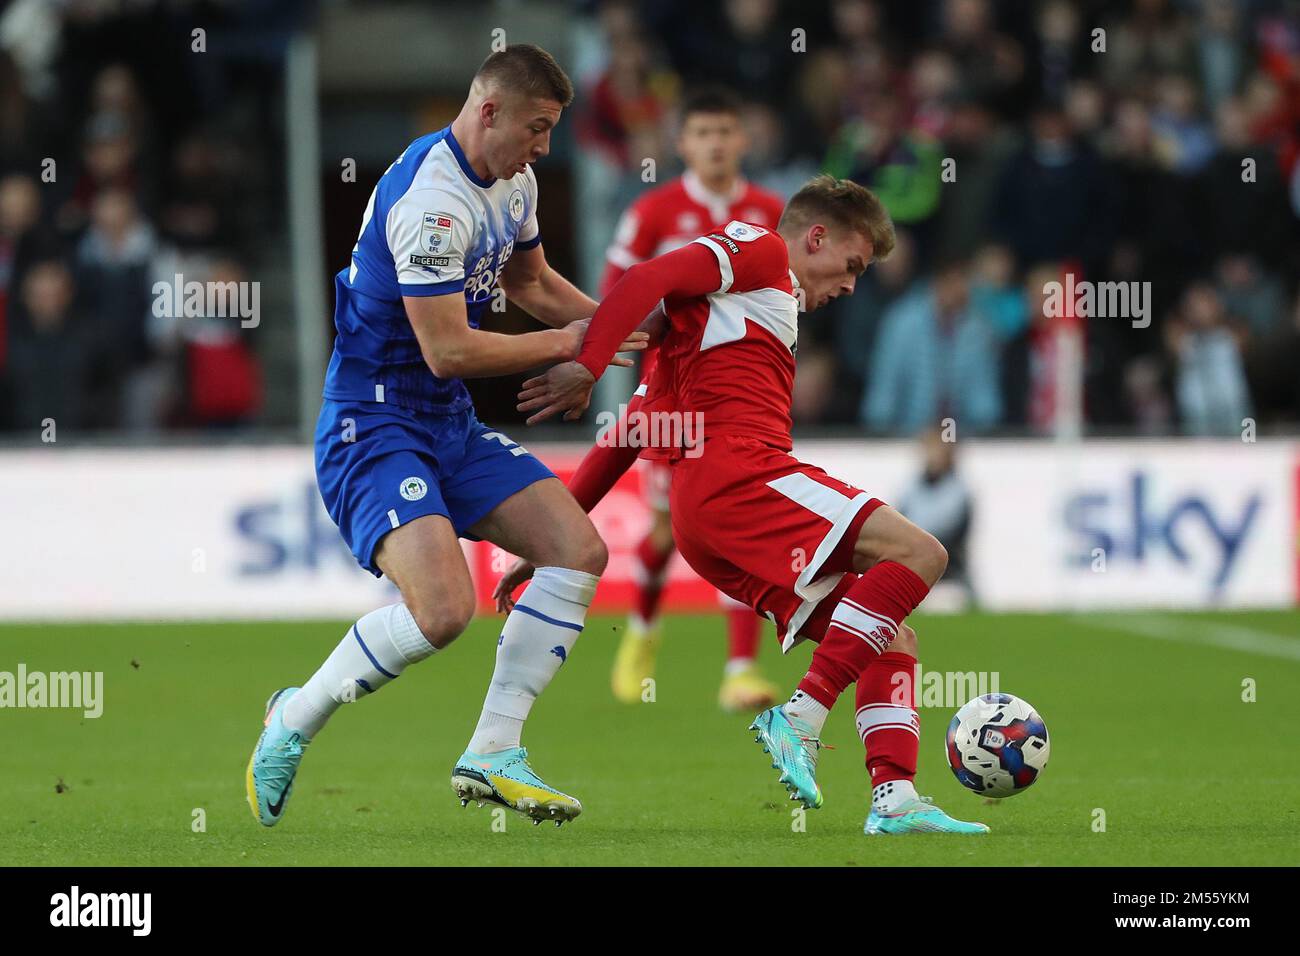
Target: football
[997, 745]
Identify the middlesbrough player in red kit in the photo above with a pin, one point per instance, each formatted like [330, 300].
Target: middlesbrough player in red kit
[820, 558]
[712, 192]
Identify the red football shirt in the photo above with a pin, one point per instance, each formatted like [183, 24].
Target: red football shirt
[733, 317]
[670, 216]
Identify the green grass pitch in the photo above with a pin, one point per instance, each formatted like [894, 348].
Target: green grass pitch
[1146, 716]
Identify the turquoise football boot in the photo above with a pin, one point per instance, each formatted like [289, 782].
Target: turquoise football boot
[793, 747]
[505, 778]
[917, 816]
[274, 763]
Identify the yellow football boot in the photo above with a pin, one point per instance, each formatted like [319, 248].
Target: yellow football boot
[635, 661]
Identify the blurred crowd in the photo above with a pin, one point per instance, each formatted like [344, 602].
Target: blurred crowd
[126, 160]
[1014, 143]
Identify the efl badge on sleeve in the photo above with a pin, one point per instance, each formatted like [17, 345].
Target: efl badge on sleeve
[435, 234]
[743, 232]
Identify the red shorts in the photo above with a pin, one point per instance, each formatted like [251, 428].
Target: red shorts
[758, 524]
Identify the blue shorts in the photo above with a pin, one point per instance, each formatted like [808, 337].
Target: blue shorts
[381, 466]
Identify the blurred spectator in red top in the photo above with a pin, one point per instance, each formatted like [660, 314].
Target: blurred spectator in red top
[626, 108]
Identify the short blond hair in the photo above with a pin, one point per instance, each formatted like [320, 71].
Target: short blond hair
[844, 204]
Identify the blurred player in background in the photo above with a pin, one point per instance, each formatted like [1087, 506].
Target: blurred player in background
[711, 193]
[822, 559]
[404, 465]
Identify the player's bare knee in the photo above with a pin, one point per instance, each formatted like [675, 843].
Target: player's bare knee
[588, 553]
[927, 557]
[579, 550]
[442, 621]
[939, 556]
[593, 556]
[904, 641]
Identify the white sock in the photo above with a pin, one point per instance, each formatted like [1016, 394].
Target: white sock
[808, 709]
[373, 652]
[735, 665]
[888, 797]
[641, 629]
[535, 641]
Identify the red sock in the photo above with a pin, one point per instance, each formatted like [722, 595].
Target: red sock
[651, 563]
[742, 633]
[887, 720]
[861, 627]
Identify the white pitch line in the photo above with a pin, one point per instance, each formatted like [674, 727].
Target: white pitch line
[1232, 637]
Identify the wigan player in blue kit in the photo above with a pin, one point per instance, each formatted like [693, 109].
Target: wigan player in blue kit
[404, 465]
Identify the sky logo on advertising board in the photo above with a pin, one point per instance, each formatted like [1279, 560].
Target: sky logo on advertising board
[1127, 525]
[288, 534]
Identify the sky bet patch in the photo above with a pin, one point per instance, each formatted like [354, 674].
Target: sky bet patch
[435, 232]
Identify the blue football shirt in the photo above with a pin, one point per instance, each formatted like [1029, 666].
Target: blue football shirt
[432, 227]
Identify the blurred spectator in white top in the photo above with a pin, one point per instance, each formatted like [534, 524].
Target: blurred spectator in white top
[1210, 379]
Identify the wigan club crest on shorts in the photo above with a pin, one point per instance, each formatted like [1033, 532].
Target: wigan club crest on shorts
[413, 488]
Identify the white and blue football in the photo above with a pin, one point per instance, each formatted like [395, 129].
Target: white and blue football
[997, 745]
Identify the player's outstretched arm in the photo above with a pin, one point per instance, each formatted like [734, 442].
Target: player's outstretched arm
[565, 389]
[683, 273]
[530, 283]
[454, 350]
